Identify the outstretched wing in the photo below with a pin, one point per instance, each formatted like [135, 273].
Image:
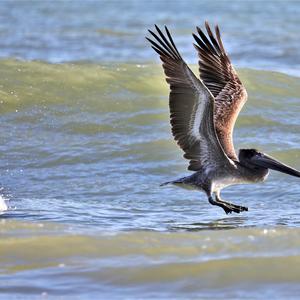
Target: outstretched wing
[219, 75]
[191, 108]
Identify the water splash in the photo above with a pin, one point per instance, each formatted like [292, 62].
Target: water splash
[3, 204]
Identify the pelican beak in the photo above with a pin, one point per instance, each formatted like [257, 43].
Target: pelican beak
[269, 162]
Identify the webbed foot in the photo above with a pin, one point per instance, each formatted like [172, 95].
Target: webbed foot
[231, 207]
[228, 207]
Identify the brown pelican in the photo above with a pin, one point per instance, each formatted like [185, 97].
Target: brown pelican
[203, 112]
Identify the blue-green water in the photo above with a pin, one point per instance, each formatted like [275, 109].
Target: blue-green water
[257, 34]
[85, 142]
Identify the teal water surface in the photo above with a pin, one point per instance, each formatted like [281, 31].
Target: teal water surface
[85, 142]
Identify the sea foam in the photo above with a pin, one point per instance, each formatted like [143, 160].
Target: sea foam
[3, 205]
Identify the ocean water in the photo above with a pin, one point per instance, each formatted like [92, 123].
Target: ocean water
[85, 142]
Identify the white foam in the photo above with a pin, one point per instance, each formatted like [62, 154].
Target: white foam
[3, 205]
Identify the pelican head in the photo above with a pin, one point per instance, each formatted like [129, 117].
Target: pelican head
[253, 159]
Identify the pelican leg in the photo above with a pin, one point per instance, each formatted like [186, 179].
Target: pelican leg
[232, 207]
[227, 208]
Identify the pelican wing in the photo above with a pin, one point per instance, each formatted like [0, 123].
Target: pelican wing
[191, 108]
[219, 75]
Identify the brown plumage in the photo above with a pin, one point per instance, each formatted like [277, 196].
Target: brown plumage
[191, 107]
[220, 77]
